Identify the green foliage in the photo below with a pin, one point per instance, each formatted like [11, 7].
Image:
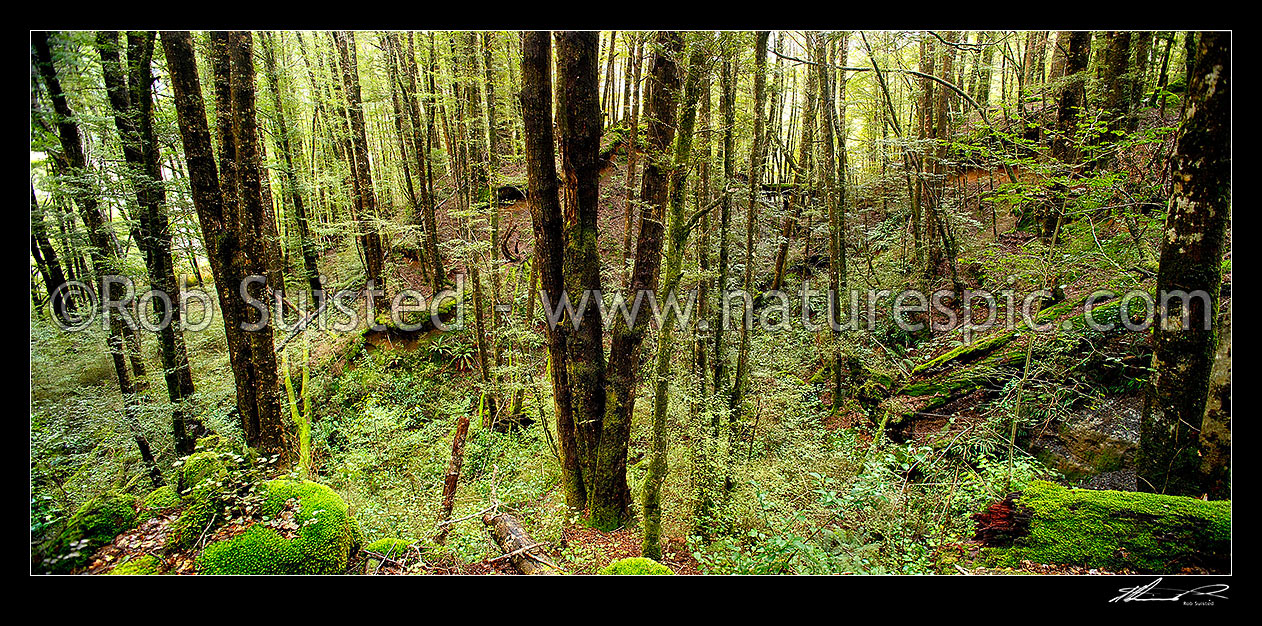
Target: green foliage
[93, 526]
[143, 565]
[1117, 529]
[635, 566]
[325, 539]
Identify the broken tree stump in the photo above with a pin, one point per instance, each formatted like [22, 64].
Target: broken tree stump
[523, 552]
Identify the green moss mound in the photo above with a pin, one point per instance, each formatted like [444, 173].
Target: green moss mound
[200, 467]
[94, 525]
[143, 565]
[201, 508]
[399, 550]
[326, 538]
[1117, 529]
[636, 566]
[158, 501]
[390, 547]
[206, 479]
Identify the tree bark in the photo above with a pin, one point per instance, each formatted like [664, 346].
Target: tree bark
[1191, 261]
[365, 197]
[311, 267]
[226, 200]
[131, 99]
[676, 243]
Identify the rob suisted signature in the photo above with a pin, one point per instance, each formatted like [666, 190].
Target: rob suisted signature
[1152, 593]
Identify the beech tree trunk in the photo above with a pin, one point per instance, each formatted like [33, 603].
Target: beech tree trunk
[757, 155]
[676, 243]
[1184, 331]
[365, 198]
[311, 267]
[131, 98]
[227, 200]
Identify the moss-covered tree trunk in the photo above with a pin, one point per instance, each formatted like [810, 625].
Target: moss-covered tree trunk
[608, 505]
[757, 156]
[1077, 50]
[1191, 263]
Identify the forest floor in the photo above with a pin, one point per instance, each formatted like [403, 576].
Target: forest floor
[813, 485]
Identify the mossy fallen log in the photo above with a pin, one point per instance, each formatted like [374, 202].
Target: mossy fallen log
[1143, 532]
[990, 361]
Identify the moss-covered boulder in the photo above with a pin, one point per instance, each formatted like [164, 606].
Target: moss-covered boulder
[322, 543]
[143, 565]
[635, 566]
[93, 526]
[159, 501]
[1144, 532]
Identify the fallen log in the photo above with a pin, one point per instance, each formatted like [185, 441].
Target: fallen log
[989, 362]
[1142, 532]
[523, 552]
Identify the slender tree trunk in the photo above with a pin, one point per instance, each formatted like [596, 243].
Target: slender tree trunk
[311, 267]
[132, 103]
[798, 197]
[727, 108]
[365, 197]
[50, 268]
[633, 149]
[676, 243]
[757, 156]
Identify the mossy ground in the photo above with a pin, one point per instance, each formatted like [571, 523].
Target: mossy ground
[144, 565]
[94, 525]
[635, 566]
